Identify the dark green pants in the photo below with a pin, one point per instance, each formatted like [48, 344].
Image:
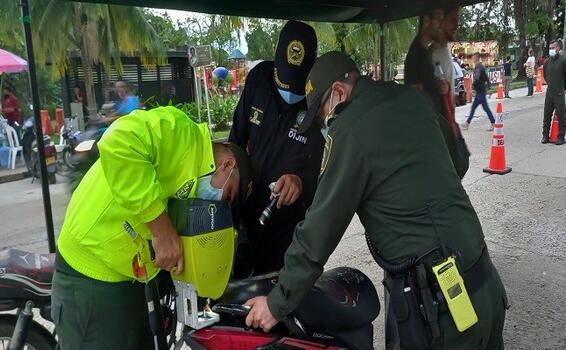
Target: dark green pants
[490, 303]
[554, 102]
[94, 315]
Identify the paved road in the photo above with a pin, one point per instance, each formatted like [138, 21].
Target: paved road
[523, 215]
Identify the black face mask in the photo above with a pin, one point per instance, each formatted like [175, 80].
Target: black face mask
[6, 96]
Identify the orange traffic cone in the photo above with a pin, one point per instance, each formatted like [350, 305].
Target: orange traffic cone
[59, 119]
[46, 127]
[554, 130]
[539, 81]
[500, 90]
[497, 164]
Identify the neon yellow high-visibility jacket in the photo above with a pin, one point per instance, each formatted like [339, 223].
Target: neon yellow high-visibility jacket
[146, 157]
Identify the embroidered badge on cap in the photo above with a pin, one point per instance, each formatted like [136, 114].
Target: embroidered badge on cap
[256, 116]
[295, 52]
[326, 154]
[185, 190]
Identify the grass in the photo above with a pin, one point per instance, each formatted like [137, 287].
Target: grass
[220, 134]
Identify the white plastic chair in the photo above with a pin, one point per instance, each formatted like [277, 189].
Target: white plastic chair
[62, 143]
[14, 144]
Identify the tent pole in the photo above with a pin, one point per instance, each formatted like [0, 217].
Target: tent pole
[39, 135]
[382, 66]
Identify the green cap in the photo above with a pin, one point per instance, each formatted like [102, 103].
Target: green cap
[328, 68]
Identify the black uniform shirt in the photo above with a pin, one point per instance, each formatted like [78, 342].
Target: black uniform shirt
[555, 75]
[419, 69]
[267, 127]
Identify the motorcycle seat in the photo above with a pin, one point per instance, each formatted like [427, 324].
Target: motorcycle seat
[25, 274]
[342, 298]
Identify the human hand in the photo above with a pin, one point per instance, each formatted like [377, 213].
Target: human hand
[289, 187]
[443, 86]
[166, 244]
[260, 316]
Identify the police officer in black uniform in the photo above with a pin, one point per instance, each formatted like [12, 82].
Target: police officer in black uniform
[266, 122]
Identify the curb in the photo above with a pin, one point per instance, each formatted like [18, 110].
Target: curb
[14, 176]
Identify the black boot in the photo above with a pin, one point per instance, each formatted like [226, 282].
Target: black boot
[544, 139]
[560, 140]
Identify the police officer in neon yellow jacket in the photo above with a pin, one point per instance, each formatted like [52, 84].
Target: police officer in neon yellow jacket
[146, 158]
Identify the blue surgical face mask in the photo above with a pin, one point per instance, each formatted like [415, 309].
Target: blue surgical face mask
[206, 191]
[552, 52]
[289, 97]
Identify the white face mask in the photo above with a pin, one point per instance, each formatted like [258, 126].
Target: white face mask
[552, 52]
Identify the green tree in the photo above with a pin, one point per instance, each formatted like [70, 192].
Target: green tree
[100, 33]
[222, 33]
[361, 41]
[262, 37]
[171, 35]
[11, 39]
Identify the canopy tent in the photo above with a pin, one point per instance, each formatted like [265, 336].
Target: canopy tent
[362, 11]
[237, 55]
[369, 11]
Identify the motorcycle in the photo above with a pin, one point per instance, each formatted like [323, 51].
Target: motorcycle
[336, 314]
[71, 139]
[31, 156]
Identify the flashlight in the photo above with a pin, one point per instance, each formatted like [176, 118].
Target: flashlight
[266, 213]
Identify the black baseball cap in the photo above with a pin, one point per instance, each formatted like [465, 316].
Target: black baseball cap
[294, 57]
[328, 68]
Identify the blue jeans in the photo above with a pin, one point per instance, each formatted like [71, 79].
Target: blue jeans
[530, 86]
[480, 99]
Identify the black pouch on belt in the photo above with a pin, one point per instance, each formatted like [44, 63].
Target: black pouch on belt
[411, 325]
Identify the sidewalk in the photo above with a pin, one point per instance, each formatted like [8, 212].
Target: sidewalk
[7, 175]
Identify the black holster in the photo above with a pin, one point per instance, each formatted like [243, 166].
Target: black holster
[403, 305]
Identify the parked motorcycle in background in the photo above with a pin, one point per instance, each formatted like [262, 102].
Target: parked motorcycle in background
[31, 156]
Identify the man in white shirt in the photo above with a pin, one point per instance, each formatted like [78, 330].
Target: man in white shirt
[440, 51]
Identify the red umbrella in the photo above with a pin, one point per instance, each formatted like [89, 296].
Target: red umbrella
[10, 63]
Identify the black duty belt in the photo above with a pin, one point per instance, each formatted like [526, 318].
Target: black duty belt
[477, 275]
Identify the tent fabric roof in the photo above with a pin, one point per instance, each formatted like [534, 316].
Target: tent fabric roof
[237, 55]
[307, 10]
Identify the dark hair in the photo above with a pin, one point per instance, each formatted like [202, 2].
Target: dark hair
[452, 6]
[8, 88]
[428, 14]
[508, 58]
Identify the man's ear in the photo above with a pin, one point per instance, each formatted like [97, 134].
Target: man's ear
[230, 162]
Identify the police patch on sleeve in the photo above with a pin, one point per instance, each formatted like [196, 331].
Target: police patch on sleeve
[256, 116]
[185, 190]
[295, 52]
[326, 154]
[300, 117]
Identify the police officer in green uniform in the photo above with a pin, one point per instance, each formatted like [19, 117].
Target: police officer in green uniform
[555, 75]
[407, 195]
